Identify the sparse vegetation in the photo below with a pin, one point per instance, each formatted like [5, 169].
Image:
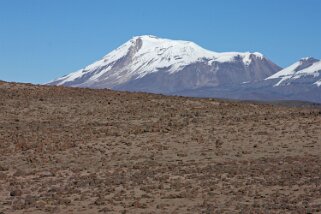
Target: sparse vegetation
[99, 151]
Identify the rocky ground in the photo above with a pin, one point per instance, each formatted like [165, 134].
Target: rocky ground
[67, 150]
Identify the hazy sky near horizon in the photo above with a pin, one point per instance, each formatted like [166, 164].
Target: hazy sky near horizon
[41, 40]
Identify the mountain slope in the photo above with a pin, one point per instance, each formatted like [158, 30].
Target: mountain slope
[152, 64]
[307, 69]
[300, 81]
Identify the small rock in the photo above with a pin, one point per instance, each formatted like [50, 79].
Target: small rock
[40, 204]
[3, 176]
[19, 173]
[18, 204]
[3, 168]
[16, 192]
[105, 210]
[64, 201]
[99, 202]
[30, 200]
[46, 174]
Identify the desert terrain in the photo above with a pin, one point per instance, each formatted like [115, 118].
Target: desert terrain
[72, 150]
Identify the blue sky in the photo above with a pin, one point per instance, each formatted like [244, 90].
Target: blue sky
[44, 39]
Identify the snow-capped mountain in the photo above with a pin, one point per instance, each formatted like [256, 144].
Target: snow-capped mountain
[307, 70]
[174, 67]
[152, 64]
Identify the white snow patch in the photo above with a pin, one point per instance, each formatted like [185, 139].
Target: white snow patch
[285, 72]
[318, 83]
[70, 77]
[314, 69]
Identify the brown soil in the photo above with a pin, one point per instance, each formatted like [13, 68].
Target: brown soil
[67, 150]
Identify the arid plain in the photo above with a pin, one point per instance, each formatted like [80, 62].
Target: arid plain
[72, 150]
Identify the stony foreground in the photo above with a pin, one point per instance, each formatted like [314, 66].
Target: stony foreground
[66, 150]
